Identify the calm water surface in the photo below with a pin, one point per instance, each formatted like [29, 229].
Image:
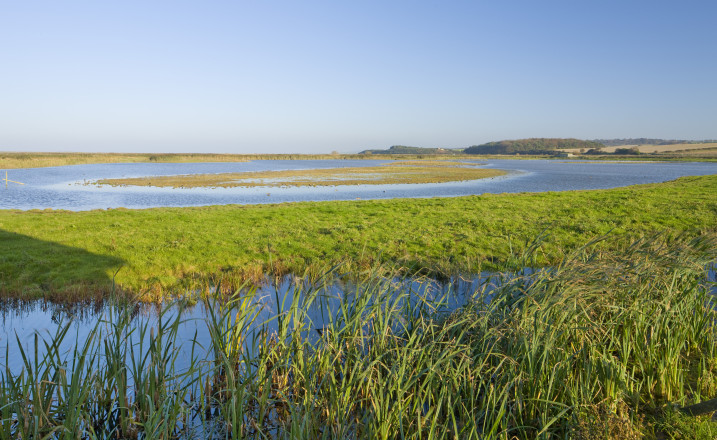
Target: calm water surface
[21, 323]
[67, 187]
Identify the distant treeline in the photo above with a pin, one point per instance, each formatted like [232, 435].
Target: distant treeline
[531, 146]
[403, 149]
[647, 141]
[537, 146]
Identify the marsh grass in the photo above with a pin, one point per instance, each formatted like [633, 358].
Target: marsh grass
[599, 346]
[120, 381]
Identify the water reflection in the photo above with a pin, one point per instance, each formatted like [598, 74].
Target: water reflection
[323, 304]
[22, 321]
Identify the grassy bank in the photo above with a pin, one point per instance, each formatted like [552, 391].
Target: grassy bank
[397, 172]
[607, 345]
[157, 251]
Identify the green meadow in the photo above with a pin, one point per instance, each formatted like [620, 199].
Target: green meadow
[158, 252]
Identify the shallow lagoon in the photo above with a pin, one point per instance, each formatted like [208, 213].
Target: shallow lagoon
[71, 188]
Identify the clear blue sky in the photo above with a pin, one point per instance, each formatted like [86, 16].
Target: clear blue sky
[308, 76]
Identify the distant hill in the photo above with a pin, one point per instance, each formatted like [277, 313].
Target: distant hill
[531, 146]
[647, 141]
[402, 149]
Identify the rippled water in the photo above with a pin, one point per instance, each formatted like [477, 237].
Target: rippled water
[66, 187]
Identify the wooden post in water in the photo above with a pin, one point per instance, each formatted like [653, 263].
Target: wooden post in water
[8, 180]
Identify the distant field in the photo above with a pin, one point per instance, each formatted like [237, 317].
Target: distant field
[677, 152]
[710, 150]
[681, 148]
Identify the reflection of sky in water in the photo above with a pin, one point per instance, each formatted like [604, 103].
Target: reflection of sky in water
[43, 318]
[58, 188]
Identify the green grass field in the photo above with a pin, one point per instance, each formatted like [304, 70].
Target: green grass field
[155, 252]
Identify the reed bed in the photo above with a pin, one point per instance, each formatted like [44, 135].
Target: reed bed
[599, 346]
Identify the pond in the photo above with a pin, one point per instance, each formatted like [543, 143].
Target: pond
[71, 188]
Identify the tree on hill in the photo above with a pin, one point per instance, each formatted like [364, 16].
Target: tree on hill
[595, 151]
[628, 151]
